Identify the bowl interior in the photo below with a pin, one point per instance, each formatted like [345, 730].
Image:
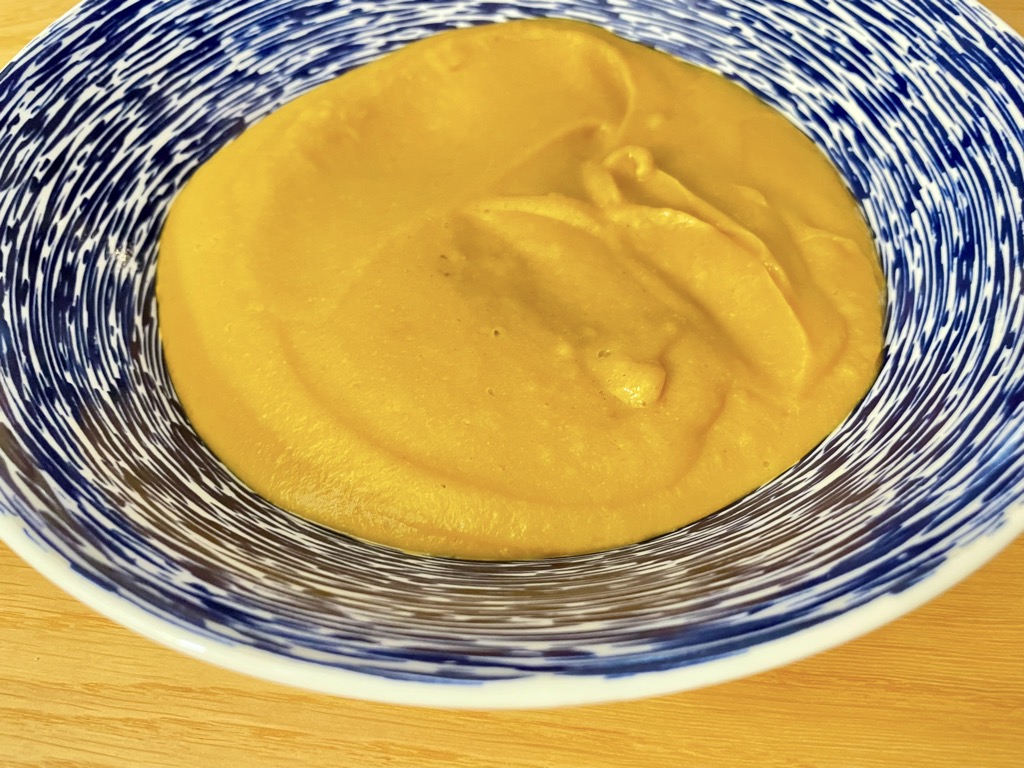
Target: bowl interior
[109, 491]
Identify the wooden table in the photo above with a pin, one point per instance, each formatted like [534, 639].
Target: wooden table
[941, 687]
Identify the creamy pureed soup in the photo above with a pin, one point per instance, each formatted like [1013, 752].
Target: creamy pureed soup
[517, 291]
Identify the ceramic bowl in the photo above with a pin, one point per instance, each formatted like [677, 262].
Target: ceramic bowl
[107, 491]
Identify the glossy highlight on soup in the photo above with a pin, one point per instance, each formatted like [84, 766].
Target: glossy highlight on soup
[518, 291]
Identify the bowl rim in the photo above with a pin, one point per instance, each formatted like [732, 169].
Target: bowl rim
[538, 691]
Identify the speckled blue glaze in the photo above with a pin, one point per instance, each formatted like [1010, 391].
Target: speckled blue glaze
[108, 491]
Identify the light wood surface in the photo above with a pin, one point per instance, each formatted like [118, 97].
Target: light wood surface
[941, 687]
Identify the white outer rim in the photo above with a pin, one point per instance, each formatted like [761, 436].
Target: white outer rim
[534, 692]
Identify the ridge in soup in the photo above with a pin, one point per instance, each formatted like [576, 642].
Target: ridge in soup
[518, 291]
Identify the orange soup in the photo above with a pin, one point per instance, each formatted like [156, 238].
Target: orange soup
[518, 291]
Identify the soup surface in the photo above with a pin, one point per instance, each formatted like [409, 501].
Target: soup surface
[518, 291]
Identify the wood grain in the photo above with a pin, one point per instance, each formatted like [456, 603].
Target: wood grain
[941, 687]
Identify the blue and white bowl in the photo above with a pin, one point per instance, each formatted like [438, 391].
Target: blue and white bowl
[106, 489]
